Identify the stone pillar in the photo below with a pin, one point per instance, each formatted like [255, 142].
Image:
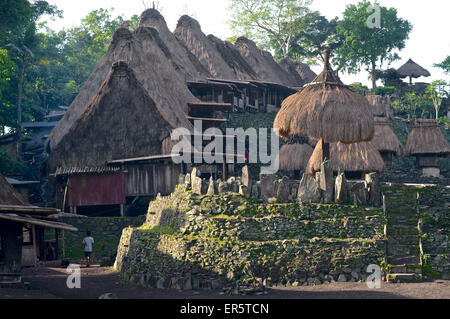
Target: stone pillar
[326, 181]
[374, 188]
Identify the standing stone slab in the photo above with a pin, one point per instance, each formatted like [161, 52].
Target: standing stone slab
[283, 191]
[268, 186]
[308, 190]
[193, 174]
[211, 191]
[223, 188]
[340, 189]
[187, 179]
[374, 189]
[181, 179]
[246, 179]
[199, 186]
[359, 194]
[326, 181]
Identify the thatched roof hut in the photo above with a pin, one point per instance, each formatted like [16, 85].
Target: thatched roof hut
[185, 62]
[412, 70]
[426, 138]
[263, 63]
[144, 52]
[295, 154]
[384, 139]
[234, 59]
[356, 157]
[188, 32]
[122, 120]
[326, 109]
[8, 195]
[299, 70]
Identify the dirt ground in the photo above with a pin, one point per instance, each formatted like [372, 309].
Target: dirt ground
[50, 282]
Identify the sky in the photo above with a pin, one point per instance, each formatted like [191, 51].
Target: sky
[429, 41]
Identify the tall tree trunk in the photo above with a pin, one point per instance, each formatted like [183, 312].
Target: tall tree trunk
[374, 80]
[19, 110]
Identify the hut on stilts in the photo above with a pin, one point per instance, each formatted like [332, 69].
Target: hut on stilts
[427, 143]
[385, 140]
[412, 70]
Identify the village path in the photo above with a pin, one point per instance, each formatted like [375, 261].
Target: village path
[50, 282]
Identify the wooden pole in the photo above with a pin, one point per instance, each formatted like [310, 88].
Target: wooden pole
[33, 230]
[325, 151]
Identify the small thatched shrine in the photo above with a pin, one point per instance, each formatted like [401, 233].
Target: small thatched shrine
[412, 70]
[295, 154]
[385, 140]
[354, 159]
[427, 143]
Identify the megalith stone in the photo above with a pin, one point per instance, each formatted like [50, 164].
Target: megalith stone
[187, 179]
[211, 190]
[326, 181]
[374, 189]
[193, 174]
[181, 179]
[283, 191]
[223, 188]
[359, 194]
[246, 180]
[199, 186]
[268, 186]
[340, 189]
[308, 190]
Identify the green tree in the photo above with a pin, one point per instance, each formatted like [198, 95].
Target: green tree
[268, 20]
[437, 90]
[313, 34]
[367, 44]
[444, 65]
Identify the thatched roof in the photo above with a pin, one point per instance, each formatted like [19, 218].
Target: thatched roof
[8, 195]
[299, 70]
[120, 121]
[378, 104]
[287, 65]
[183, 60]
[234, 59]
[412, 69]
[326, 108]
[144, 52]
[384, 139]
[426, 138]
[355, 157]
[263, 63]
[188, 32]
[295, 154]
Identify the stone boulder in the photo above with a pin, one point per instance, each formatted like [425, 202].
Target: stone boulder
[308, 190]
[283, 190]
[326, 181]
[268, 186]
[374, 189]
[340, 189]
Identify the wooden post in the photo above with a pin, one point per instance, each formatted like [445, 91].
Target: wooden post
[122, 210]
[33, 230]
[63, 246]
[325, 151]
[224, 169]
[56, 244]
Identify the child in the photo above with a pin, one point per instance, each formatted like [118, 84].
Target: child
[88, 241]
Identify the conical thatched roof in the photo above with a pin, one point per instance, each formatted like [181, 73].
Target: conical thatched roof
[326, 108]
[295, 154]
[299, 70]
[355, 157]
[144, 52]
[384, 139]
[412, 69]
[8, 195]
[181, 57]
[188, 32]
[426, 138]
[234, 59]
[121, 121]
[263, 63]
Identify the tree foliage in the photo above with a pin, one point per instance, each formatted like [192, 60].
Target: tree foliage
[444, 65]
[366, 45]
[268, 20]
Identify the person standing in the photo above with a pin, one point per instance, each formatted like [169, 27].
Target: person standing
[88, 241]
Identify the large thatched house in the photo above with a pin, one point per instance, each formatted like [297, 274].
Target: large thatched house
[427, 143]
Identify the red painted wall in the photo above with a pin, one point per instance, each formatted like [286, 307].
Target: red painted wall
[97, 189]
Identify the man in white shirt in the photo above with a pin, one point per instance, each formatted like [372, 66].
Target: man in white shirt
[88, 241]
